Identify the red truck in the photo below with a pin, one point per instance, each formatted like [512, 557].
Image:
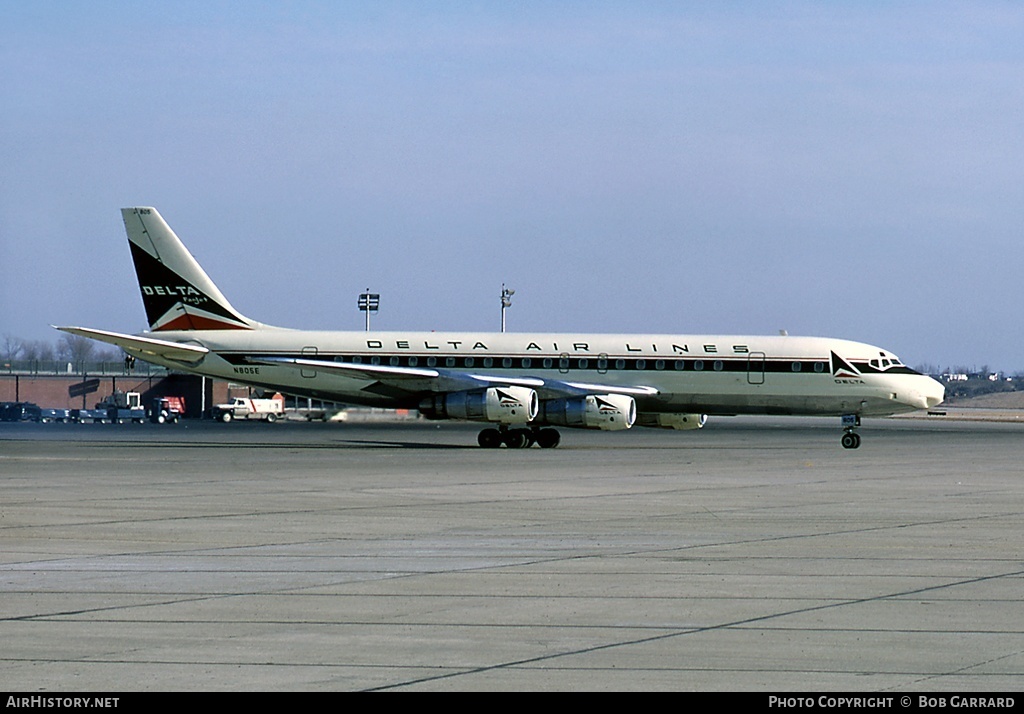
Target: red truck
[167, 409]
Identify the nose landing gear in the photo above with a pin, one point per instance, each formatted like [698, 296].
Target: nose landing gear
[850, 438]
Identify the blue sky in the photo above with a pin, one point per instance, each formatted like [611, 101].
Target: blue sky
[841, 169]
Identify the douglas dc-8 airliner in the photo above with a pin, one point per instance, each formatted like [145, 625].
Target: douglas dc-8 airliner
[521, 384]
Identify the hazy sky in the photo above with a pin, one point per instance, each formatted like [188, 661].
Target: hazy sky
[841, 169]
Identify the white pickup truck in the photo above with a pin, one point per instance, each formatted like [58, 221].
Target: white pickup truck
[244, 408]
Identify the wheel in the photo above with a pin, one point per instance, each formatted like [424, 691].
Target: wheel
[271, 418]
[548, 438]
[489, 439]
[517, 438]
[225, 417]
[850, 440]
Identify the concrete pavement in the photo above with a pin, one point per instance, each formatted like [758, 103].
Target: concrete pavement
[753, 555]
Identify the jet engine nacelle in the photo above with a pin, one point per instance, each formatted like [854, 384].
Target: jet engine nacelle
[501, 405]
[680, 422]
[609, 412]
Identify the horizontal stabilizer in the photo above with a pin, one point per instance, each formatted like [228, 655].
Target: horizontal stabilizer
[142, 346]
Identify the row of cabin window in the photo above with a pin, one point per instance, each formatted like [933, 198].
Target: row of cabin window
[567, 363]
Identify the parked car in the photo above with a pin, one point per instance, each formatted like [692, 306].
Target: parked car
[20, 411]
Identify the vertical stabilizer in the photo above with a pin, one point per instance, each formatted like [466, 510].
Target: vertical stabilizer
[177, 292]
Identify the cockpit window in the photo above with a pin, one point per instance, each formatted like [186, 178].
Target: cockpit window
[884, 362]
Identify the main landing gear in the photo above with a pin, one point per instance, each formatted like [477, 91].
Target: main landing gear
[492, 438]
[850, 438]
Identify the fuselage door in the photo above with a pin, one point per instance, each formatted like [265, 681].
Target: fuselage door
[755, 368]
[311, 353]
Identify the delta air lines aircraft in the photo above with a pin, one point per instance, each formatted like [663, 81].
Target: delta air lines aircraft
[522, 385]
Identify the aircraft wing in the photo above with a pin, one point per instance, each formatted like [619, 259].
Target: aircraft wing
[142, 345]
[434, 380]
[356, 371]
[589, 388]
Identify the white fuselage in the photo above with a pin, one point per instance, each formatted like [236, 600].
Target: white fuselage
[711, 374]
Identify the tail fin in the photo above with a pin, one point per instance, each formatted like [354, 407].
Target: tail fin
[177, 292]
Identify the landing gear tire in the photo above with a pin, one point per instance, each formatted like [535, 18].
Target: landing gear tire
[850, 438]
[517, 439]
[489, 438]
[548, 438]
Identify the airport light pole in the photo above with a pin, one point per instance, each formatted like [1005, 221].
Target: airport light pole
[369, 302]
[506, 302]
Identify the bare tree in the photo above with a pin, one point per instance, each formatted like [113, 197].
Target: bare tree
[928, 368]
[11, 347]
[108, 354]
[75, 348]
[39, 350]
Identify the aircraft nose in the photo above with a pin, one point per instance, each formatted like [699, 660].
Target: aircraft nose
[925, 393]
[934, 394]
[929, 394]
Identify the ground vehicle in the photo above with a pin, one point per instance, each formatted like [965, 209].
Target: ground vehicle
[269, 410]
[20, 411]
[123, 406]
[81, 416]
[167, 409]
